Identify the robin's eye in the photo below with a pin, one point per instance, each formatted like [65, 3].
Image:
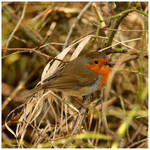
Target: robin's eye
[95, 62]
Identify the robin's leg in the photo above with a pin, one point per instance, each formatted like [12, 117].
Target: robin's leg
[78, 102]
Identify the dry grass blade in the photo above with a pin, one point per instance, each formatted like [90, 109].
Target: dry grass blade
[9, 129]
[49, 70]
[80, 47]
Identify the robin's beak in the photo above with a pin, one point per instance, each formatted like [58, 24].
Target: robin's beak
[109, 64]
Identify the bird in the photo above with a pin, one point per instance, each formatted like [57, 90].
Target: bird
[80, 77]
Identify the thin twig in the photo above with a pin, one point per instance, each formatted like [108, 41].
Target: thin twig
[125, 12]
[121, 30]
[74, 24]
[119, 43]
[51, 28]
[18, 24]
[33, 50]
[138, 142]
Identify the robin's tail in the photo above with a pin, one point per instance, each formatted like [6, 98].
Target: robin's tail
[32, 92]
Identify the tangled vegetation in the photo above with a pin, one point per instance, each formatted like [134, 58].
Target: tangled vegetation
[33, 34]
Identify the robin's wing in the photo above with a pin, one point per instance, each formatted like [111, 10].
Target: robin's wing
[73, 76]
[68, 81]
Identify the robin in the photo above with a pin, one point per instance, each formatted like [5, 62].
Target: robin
[80, 77]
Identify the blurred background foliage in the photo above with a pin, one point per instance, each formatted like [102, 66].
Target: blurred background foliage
[48, 23]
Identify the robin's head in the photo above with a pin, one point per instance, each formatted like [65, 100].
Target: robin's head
[102, 67]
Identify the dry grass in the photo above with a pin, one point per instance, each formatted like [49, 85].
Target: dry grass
[116, 116]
